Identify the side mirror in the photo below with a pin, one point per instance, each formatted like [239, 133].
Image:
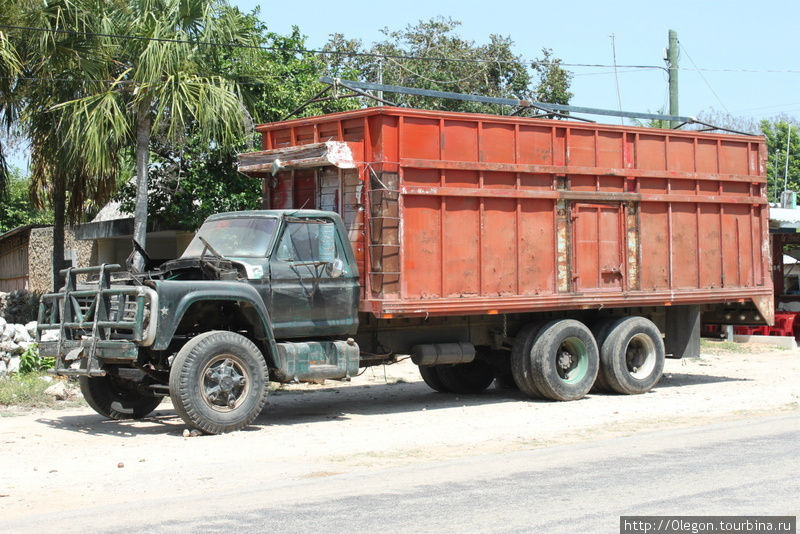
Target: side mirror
[335, 268]
[326, 241]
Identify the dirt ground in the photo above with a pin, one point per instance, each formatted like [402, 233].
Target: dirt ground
[64, 459]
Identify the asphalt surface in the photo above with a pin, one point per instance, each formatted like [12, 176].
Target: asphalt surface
[746, 466]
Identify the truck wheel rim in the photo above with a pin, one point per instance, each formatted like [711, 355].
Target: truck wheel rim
[225, 383]
[640, 356]
[572, 360]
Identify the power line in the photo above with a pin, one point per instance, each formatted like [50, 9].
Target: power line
[704, 78]
[392, 56]
[313, 51]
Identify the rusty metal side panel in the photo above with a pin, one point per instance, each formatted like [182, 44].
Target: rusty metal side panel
[598, 247]
[685, 246]
[654, 235]
[633, 256]
[537, 247]
[710, 245]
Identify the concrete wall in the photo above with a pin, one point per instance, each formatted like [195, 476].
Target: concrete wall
[40, 252]
[160, 246]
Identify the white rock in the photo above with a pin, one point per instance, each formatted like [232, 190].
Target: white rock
[13, 365]
[50, 335]
[21, 334]
[31, 328]
[59, 391]
[46, 378]
[25, 344]
[2, 324]
[8, 332]
[10, 347]
[3, 368]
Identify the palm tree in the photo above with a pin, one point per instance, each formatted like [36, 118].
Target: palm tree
[162, 83]
[59, 67]
[10, 69]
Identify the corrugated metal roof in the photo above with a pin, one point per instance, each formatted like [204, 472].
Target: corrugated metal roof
[784, 215]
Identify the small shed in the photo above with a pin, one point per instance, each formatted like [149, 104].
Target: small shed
[26, 257]
[14, 269]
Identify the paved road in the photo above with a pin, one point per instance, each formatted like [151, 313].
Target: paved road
[748, 466]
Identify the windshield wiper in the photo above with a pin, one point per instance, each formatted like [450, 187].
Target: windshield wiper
[207, 246]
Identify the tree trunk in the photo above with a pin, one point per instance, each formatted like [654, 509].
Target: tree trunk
[143, 125]
[59, 215]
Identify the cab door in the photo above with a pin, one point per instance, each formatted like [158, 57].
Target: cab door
[313, 287]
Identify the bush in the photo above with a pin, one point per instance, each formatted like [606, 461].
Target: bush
[32, 362]
[21, 307]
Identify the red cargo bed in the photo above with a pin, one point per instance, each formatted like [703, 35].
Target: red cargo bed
[454, 213]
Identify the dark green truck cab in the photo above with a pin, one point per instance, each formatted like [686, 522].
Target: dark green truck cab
[256, 296]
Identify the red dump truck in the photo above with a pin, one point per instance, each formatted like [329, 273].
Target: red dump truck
[549, 255]
[543, 253]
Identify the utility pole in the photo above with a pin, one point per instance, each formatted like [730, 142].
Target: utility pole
[672, 70]
[380, 80]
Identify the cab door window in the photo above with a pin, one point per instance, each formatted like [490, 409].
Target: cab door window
[308, 242]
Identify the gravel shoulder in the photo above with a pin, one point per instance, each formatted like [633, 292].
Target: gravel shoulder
[61, 460]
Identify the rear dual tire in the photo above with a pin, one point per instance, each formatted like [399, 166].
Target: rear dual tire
[557, 360]
[631, 356]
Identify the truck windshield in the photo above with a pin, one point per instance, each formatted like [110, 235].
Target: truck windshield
[235, 237]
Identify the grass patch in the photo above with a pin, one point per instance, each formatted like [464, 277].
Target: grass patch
[723, 346]
[25, 391]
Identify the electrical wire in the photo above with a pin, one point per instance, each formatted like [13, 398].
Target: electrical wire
[446, 82]
[311, 50]
[704, 78]
[377, 55]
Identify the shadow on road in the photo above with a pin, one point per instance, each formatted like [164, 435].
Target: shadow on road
[288, 407]
[298, 407]
[162, 421]
[671, 380]
[291, 407]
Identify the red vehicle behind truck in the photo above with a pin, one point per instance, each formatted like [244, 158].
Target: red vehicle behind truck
[547, 254]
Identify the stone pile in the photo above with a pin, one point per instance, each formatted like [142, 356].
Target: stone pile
[14, 341]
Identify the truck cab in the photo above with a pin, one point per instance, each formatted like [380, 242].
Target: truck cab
[257, 295]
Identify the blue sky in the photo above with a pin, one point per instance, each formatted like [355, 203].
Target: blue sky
[725, 40]
[747, 51]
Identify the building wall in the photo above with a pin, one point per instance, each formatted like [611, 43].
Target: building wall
[40, 253]
[160, 246]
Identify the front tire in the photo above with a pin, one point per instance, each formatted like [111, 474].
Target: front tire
[110, 397]
[218, 382]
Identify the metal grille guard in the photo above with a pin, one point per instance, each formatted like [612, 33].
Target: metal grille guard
[62, 311]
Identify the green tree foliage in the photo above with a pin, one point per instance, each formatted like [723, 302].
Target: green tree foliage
[56, 67]
[554, 80]
[198, 177]
[10, 69]
[17, 209]
[776, 132]
[191, 182]
[442, 60]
